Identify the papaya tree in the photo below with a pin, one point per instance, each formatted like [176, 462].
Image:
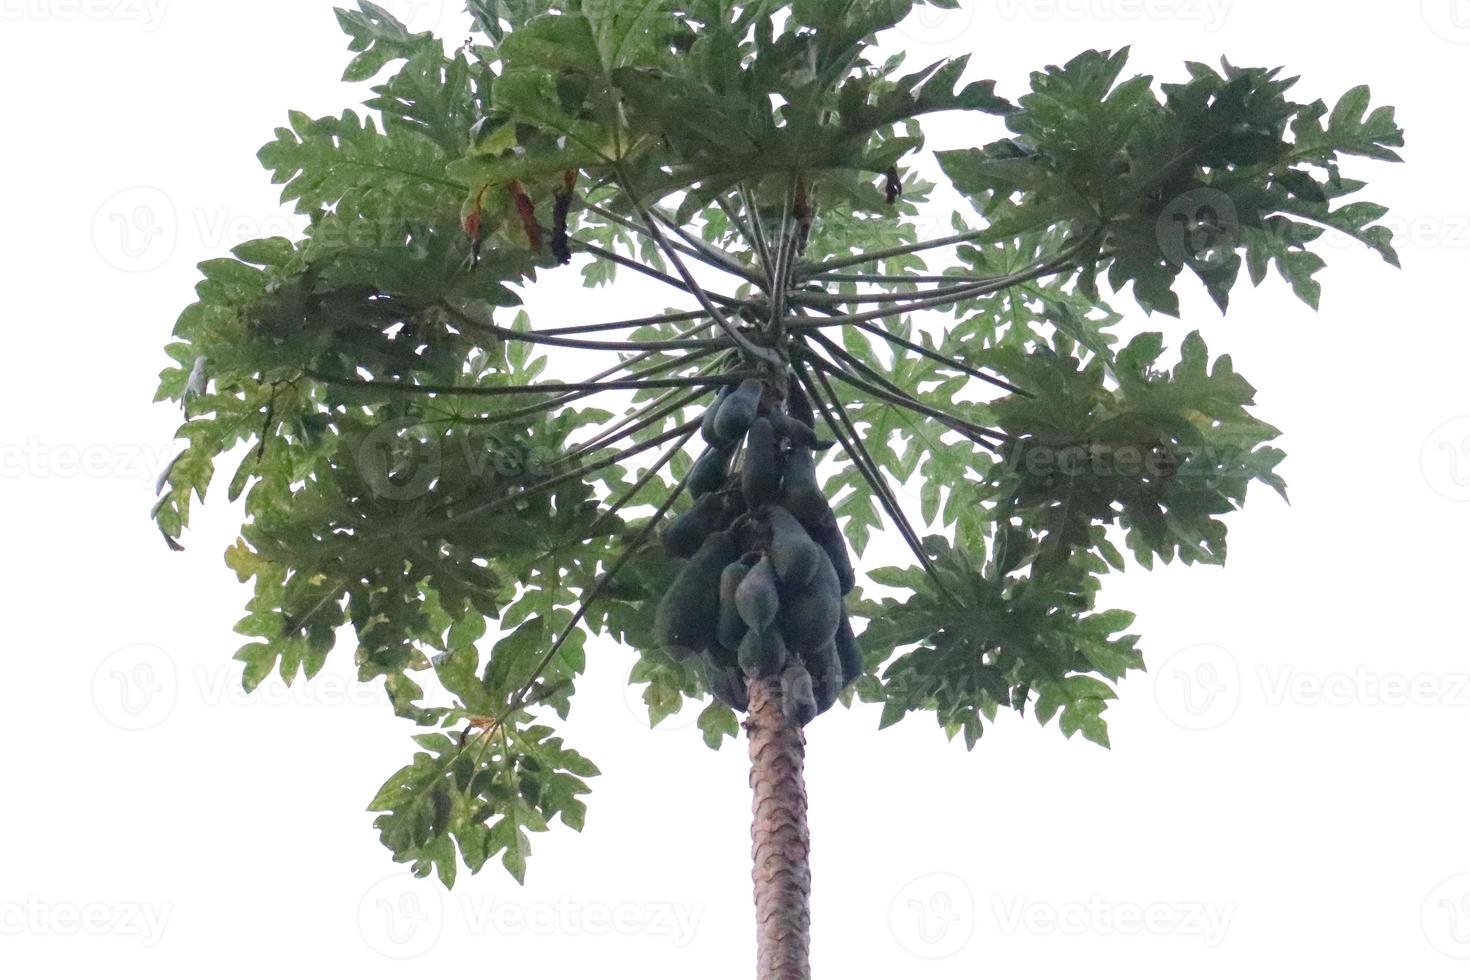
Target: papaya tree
[473, 495]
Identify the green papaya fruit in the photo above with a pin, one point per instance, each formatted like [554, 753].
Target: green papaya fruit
[798, 434]
[826, 675]
[823, 662]
[798, 701]
[726, 683]
[760, 478]
[828, 537]
[824, 665]
[798, 407]
[762, 653]
[800, 492]
[756, 597]
[711, 414]
[710, 471]
[825, 687]
[684, 534]
[750, 536]
[684, 622]
[849, 654]
[794, 554]
[810, 613]
[738, 411]
[731, 628]
[722, 656]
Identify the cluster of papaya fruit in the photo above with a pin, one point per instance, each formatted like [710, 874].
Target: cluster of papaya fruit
[761, 591]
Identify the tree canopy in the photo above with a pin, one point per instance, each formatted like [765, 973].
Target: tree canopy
[416, 465]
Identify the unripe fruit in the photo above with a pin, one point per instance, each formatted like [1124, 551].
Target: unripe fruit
[794, 554]
[762, 653]
[721, 656]
[756, 597]
[738, 411]
[760, 478]
[684, 534]
[822, 663]
[799, 408]
[801, 494]
[710, 471]
[828, 537]
[711, 415]
[810, 613]
[727, 684]
[849, 654]
[798, 702]
[731, 628]
[798, 433]
[684, 623]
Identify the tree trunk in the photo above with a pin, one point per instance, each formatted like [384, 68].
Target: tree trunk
[780, 845]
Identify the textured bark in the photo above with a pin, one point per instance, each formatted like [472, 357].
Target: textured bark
[780, 845]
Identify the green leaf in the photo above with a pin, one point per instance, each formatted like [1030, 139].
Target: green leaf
[996, 641]
[717, 721]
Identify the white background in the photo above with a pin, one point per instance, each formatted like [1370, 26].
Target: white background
[1282, 796]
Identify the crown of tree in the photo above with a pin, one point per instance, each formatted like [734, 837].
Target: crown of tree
[426, 466]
